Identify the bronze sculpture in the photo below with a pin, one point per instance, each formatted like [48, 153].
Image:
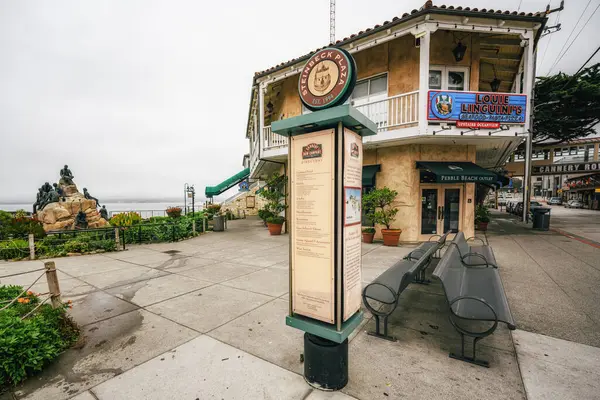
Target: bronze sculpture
[81, 220]
[88, 196]
[66, 177]
[104, 213]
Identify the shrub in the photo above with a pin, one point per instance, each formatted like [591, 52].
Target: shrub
[276, 219]
[264, 214]
[22, 226]
[482, 214]
[27, 345]
[5, 219]
[126, 219]
[369, 229]
[174, 212]
[378, 202]
[16, 248]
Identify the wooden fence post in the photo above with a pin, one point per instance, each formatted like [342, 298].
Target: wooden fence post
[204, 224]
[53, 286]
[117, 242]
[31, 246]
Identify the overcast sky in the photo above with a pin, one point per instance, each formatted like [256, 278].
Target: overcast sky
[139, 97]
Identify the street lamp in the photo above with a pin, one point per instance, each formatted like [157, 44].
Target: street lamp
[188, 192]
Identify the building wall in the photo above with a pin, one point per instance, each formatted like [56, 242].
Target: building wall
[399, 172]
[238, 205]
[399, 58]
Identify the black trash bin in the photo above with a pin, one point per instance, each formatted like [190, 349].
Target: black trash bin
[541, 218]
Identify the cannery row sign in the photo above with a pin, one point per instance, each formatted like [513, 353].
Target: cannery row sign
[480, 109]
[565, 168]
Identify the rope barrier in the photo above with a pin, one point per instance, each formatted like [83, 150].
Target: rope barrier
[36, 307]
[22, 273]
[22, 293]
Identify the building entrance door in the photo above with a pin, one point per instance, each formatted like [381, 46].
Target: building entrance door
[440, 210]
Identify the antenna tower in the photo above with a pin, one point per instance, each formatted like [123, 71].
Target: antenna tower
[332, 21]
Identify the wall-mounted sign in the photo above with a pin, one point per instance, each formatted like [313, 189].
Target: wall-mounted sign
[250, 202]
[500, 108]
[565, 168]
[352, 256]
[244, 186]
[477, 124]
[327, 79]
[312, 244]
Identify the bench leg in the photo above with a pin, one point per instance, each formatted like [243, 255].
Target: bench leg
[472, 360]
[420, 278]
[378, 334]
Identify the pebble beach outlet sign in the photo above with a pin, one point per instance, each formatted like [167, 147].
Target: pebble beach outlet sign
[327, 79]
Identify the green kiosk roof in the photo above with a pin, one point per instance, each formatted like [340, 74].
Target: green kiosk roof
[324, 119]
[458, 172]
[212, 191]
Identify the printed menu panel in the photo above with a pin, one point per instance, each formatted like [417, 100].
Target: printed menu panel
[352, 273]
[312, 182]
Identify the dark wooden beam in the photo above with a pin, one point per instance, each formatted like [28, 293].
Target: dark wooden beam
[499, 56]
[501, 42]
[501, 68]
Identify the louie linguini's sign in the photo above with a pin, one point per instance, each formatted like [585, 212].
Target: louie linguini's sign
[565, 168]
[327, 79]
[476, 109]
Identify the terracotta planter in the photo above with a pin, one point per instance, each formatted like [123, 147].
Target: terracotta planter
[482, 226]
[391, 236]
[368, 237]
[274, 229]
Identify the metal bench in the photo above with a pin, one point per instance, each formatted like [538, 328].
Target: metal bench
[388, 286]
[474, 255]
[422, 249]
[473, 293]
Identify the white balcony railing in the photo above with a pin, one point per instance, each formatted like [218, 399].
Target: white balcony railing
[395, 111]
[272, 140]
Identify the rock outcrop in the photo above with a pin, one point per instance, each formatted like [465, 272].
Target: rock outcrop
[61, 215]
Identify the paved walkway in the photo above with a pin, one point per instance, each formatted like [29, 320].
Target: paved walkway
[205, 318]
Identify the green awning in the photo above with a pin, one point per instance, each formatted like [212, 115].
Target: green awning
[368, 174]
[458, 172]
[227, 184]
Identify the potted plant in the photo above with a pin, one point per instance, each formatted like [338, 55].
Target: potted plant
[368, 234]
[380, 201]
[264, 214]
[274, 224]
[174, 212]
[482, 217]
[274, 194]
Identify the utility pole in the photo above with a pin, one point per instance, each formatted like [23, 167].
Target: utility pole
[331, 21]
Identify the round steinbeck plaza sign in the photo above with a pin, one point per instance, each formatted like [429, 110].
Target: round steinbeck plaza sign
[327, 79]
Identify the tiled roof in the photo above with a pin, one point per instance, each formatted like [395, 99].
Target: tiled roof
[428, 8]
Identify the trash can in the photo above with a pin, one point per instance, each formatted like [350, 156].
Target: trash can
[218, 223]
[541, 218]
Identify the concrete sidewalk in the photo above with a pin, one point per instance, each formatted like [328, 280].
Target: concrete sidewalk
[205, 318]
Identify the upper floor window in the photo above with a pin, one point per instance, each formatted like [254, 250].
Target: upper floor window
[589, 153]
[370, 89]
[448, 78]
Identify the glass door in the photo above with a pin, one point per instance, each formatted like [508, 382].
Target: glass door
[451, 214]
[429, 212]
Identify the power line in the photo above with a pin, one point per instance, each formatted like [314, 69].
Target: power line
[588, 60]
[556, 23]
[575, 39]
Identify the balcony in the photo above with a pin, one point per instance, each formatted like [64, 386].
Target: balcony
[391, 113]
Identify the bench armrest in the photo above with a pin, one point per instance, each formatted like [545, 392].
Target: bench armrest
[487, 265]
[409, 256]
[432, 236]
[475, 237]
[482, 301]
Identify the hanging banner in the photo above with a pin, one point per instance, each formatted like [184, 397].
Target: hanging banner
[501, 108]
[312, 244]
[352, 255]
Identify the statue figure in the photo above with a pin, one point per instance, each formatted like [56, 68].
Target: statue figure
[38, 199]
[46, 187]
[81, 220]
[59, 190]
[104, 213]
[88, 196]
[50, 197]
[66, 176]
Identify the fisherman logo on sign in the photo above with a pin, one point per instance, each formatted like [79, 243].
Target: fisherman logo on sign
[312, 150]
[354, 150]
[327, 79]
[442, 105]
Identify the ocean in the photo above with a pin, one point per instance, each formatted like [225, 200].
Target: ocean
[146, 210]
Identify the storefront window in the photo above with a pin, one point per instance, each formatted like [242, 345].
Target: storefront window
[589, 153]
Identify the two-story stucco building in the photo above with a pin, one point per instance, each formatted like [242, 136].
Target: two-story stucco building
[406, 66]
